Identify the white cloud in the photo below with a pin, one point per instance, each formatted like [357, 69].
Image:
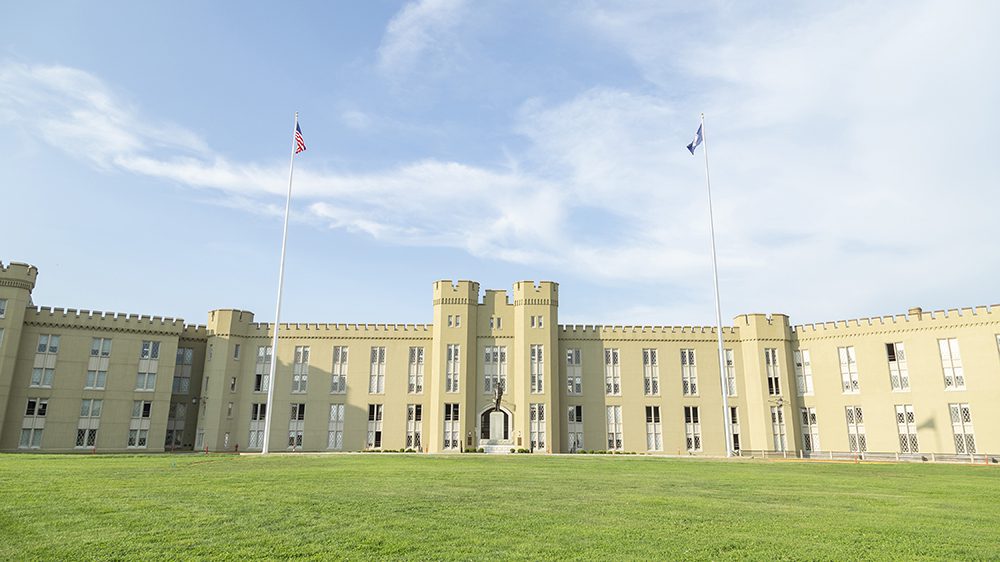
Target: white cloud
[420, 29]
[849, 146]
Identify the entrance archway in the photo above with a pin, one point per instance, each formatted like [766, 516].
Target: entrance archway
[487, 432]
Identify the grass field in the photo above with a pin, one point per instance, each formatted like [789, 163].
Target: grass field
[474, 507]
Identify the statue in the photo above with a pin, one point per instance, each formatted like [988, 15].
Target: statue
[497, 395]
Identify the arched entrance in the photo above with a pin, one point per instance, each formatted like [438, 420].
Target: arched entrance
[495, 426]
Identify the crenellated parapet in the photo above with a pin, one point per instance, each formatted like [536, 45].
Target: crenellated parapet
[18, 275]
[644, 333]
[458, 292]
[914, 320]
[341, 331]
[543, 293]
[195, 332]
[108, 321]
[496, 297]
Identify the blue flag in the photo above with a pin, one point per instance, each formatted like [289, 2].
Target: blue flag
[697, 140]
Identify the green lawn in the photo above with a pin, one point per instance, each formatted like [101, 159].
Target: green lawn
[475, 507]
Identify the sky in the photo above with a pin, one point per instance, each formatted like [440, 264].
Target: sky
[144, 152]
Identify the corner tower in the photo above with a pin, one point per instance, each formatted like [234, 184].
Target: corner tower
[17, 280]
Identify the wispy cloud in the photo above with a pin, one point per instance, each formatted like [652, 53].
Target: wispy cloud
[420, 29]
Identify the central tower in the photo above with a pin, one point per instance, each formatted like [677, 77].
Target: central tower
[536, 365]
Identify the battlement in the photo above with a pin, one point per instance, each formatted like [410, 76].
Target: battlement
[458, 292]
[602, 331]
[774, 319]
[18, 275]
[315, 330]
[530, 292]
[116, 321]
[195, 332]
[915, 317]
[496, 297]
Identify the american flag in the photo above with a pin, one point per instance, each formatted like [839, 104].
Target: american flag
[300, 145]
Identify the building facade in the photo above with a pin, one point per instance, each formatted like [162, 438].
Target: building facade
[909, 385]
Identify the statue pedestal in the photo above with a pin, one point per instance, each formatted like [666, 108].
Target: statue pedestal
[498, 422]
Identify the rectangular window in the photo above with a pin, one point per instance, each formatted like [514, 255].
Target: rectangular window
[300, 369]
[414, 426]
[574, 372]
[97, 364]
[374, 426]
[452, 428]
[150, 350]
[34, 423]
[296, 425]
[496, 323]
[856, 429]
[138, 429]
[951, 363]
[810, 430]
[3, 308]
[149, 359]
[91, 408]
[730, 372]
[335, 429]
[906, 424]
[899, 377]
[803, 372]
[229, 410]
[262, 369]
[494, 368]
[848, 370]
[650, 373]
[90, 414]
[692, 429]
[537, 426]
[175, 425]
[45, 360]
[575, 428]
[376, 375]
[654, 429]
[452, 368]
[779, 438]
[734, 427]
[415, 371]
[1, 336]
[338, 376]
[258, 412]
[689, 373]
[612, 373]
[232, 384]
[236, 352]
[258, 417]
[961, 426]
[614, 427]
[773, 372]
[182, 370]
[537, 369]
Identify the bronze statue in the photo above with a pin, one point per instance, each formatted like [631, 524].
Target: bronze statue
[497, 396]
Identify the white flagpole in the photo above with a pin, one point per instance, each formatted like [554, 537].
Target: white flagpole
[718, 307]
[277, 311]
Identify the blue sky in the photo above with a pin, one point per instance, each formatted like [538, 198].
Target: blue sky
[144, 150]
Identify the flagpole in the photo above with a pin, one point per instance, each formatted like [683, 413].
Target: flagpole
[718, 307]
[277, 311]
